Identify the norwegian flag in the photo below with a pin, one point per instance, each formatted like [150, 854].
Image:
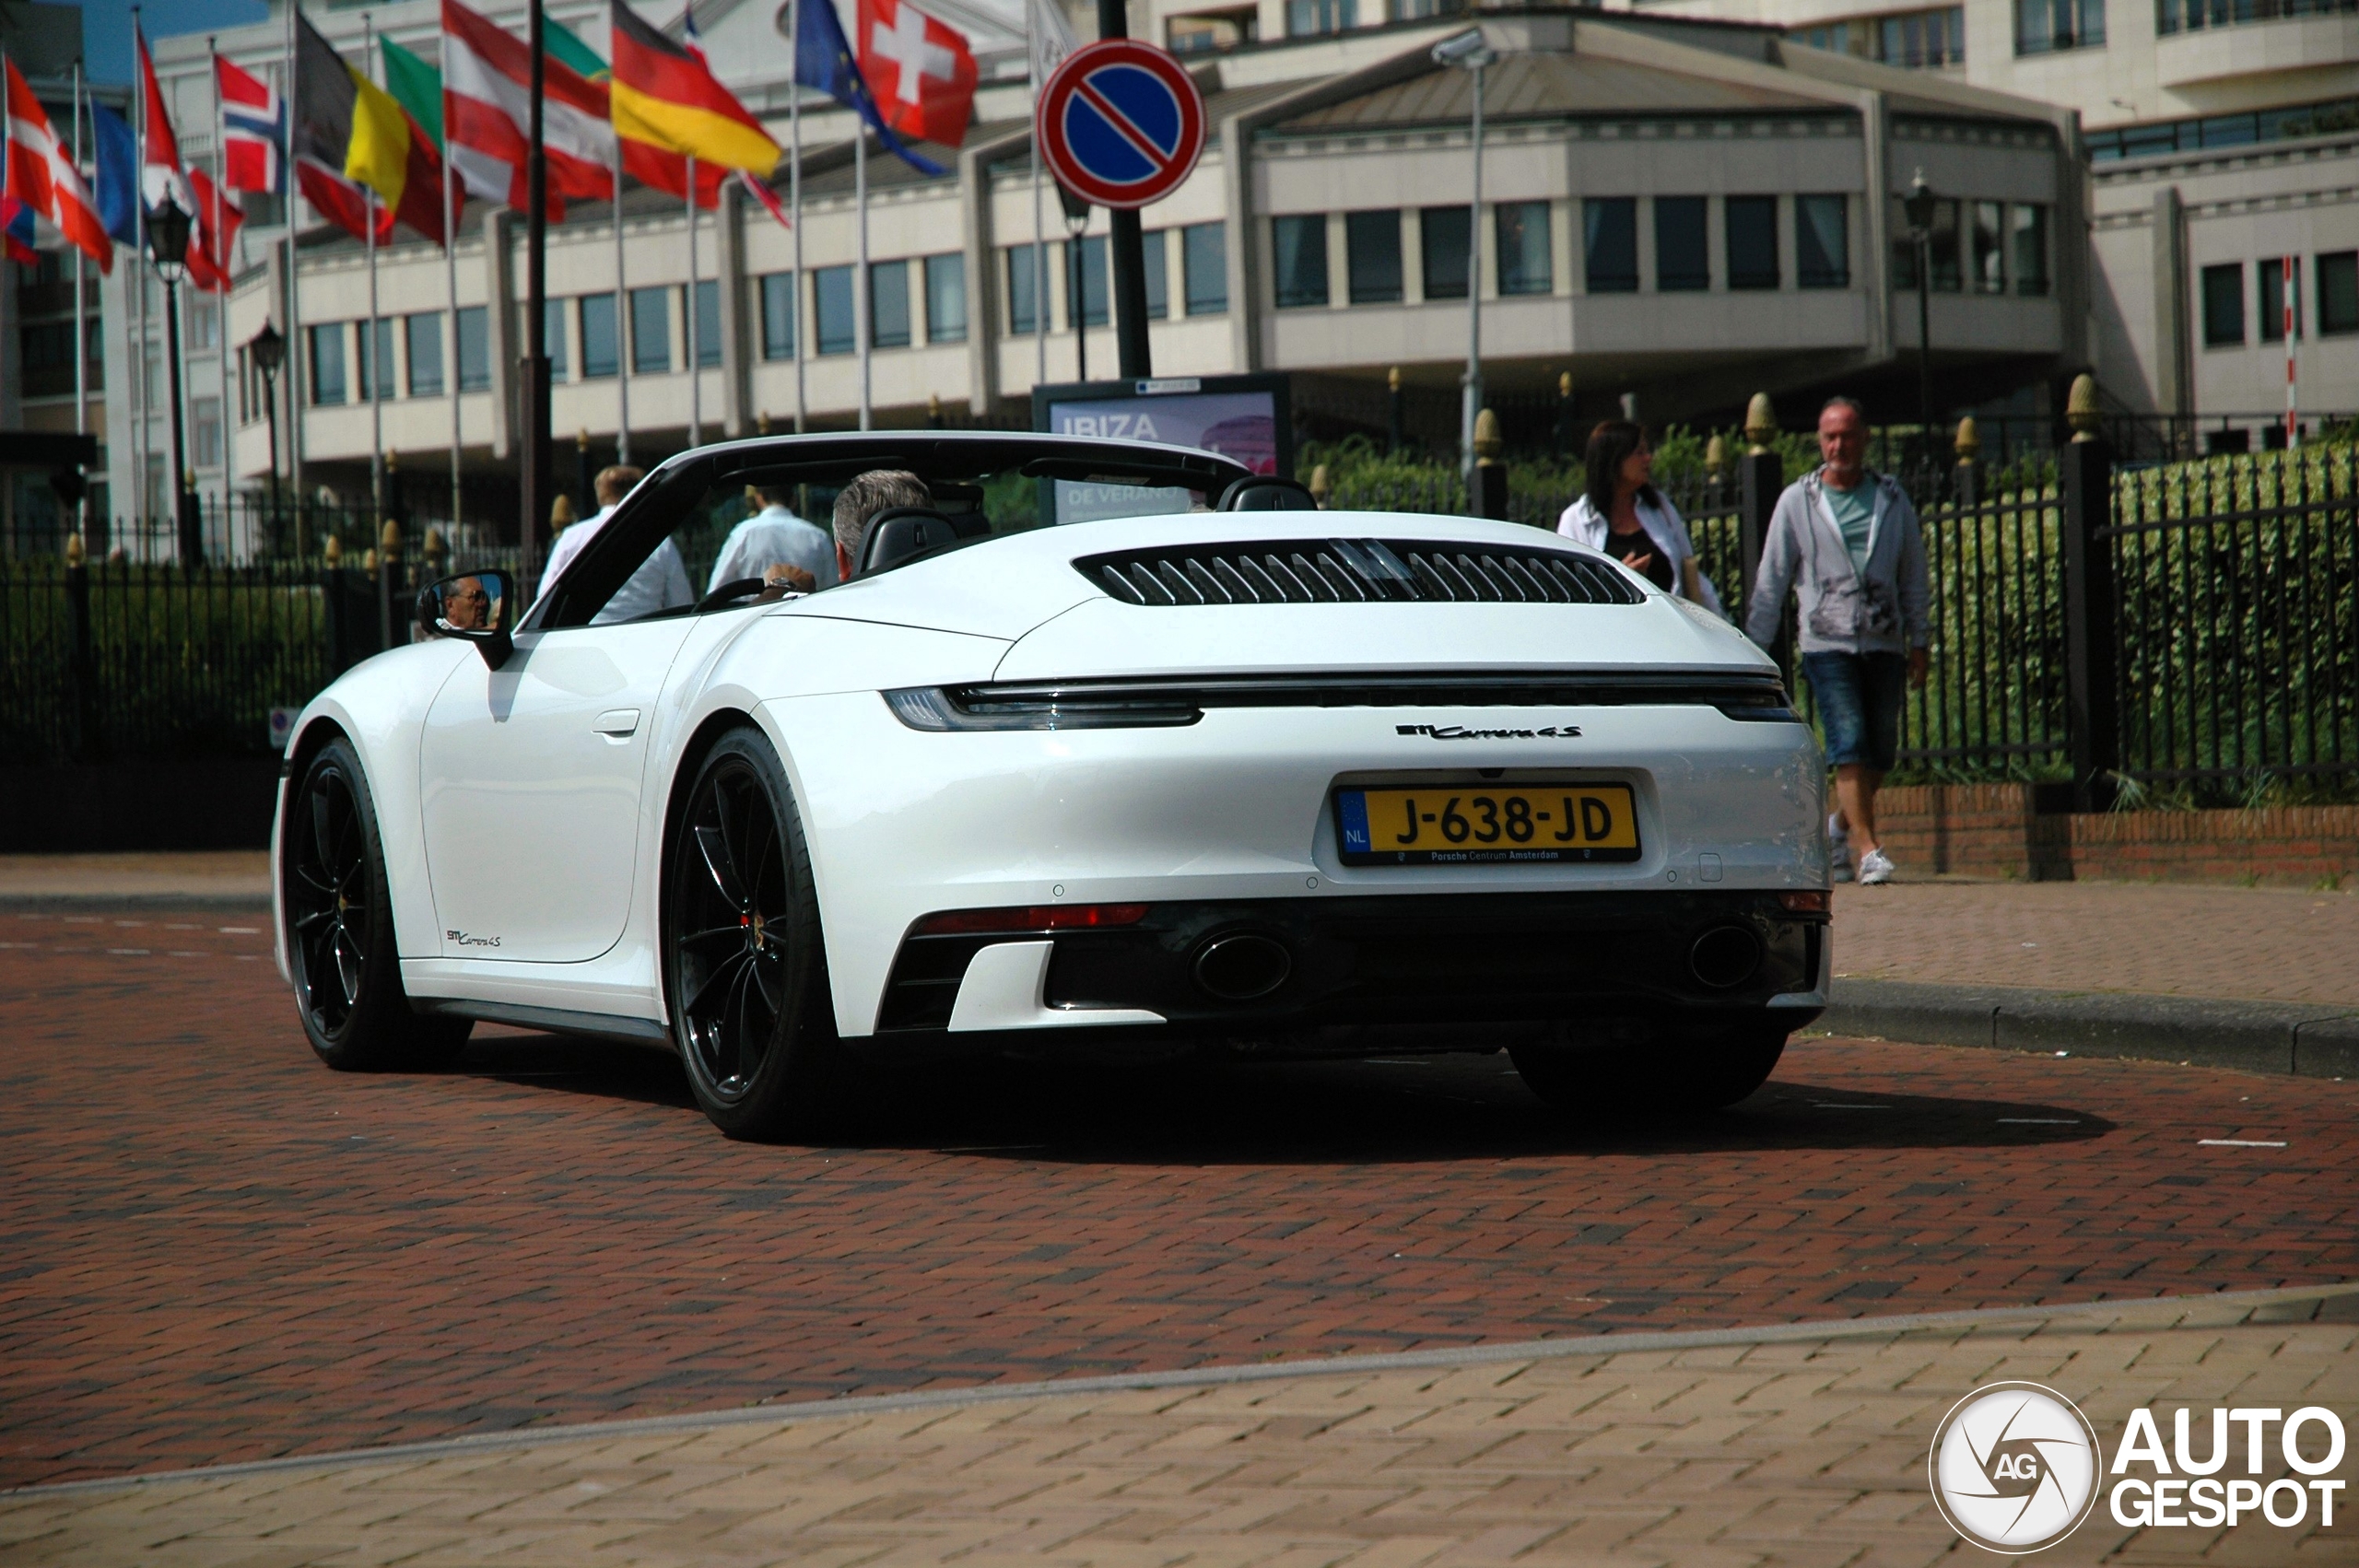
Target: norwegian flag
[922, 72]
[253, 130]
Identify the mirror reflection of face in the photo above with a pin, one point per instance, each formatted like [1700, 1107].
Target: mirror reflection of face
[467, 606]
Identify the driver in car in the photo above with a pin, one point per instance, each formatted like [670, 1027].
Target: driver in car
[858, 503]
[660, 583]
[468, 607]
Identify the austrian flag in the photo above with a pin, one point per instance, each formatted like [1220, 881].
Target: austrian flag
[921, 71]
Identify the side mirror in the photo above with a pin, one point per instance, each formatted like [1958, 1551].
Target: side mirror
[478, 607]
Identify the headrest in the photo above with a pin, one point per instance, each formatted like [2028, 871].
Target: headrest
[1266, 493]
[902, 533]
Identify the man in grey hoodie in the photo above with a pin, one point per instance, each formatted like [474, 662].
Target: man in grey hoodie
[1846, 541]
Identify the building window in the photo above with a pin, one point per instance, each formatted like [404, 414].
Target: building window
[2188, 16]
[1442, 243]
[2273, 299]
[1986, 272]
[945, 299]
[425, 333]
[2222, 130]
[601, 353]
[650, 331]
[831, 302]
[475, 348]
[1086, 296]
[2029, 259]
[1212, 31]
[1610, 244]
[1310, 18]
[708, 323]
[1154, 252]
[1023, 296]
[2224, 305]
[203, 319]
[1526, 264]
[888, 304]
[1372, 255]
[2338, 294]
[1298, 244]
[1751, 223]
[777, 315]
[2043, 26]
[204, 432]
[327, 363]
[1203, 268]
[1948, 278]
[1683, 255]
[378, 354]
[553, 337]
[1910, 40]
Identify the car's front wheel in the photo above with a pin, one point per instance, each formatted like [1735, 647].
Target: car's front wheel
[744, 965]
[1678, 1071]
[339, 919]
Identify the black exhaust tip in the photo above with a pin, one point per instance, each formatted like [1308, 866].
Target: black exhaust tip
[1725, 956]
[1242, 966]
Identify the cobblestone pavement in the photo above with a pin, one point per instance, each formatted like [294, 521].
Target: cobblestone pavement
[216, 1250]
[2248, 943]
[1793, 1451]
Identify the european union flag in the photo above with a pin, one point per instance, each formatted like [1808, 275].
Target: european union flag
[118, 174]
[823, 59]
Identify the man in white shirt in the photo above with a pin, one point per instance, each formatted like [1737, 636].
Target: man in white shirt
[660, 583]
[776, 537]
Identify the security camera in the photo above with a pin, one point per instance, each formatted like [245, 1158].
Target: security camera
[1467, 49]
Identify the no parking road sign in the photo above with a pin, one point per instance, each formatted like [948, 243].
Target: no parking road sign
[1120, 123]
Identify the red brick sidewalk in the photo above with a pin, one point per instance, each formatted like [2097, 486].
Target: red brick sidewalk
[216, 1249]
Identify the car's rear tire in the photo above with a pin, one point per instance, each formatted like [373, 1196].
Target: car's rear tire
[339, 917]
[1678, 1072]
[745, 968]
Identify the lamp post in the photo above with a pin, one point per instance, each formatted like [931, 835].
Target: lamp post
[1468, 51]
[268, 350]
[1919, 205]
[168, 229]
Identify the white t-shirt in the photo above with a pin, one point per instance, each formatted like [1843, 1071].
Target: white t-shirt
[660, 583]
[775, 537]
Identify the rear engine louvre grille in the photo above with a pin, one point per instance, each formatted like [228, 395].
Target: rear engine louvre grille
[1356, 572]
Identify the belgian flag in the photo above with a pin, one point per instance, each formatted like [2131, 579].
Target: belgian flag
[664, 96]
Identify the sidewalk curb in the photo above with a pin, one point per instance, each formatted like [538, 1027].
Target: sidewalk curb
[2308, 1040]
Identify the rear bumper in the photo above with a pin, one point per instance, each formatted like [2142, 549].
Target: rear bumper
[1385, 969]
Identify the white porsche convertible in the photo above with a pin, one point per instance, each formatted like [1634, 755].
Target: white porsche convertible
[1225, 773]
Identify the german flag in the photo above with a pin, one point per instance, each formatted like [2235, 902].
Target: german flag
[665, 97]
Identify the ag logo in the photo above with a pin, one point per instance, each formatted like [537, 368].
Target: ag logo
[2015, 1468]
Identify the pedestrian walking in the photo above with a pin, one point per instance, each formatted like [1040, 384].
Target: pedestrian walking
[1846, 541]
[1622, 513]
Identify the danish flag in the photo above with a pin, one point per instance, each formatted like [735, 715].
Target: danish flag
[43, 177]
[922, 72]
[254, 131]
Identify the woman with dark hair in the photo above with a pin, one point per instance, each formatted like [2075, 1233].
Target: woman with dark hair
[1623, 514]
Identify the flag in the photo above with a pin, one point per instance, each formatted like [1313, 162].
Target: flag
[1047, 37]
[253, 130]
[325, 91]
[487, 87]
[42, 175]
[417, 88]
[161, 174]
[115, 159]
[378, 154]
[416, 85]
[924, 70]
[656, 168]
[666, 97]
[18, 233]
[561, 43]
[219, 219]
[823, 59]
[760, 189]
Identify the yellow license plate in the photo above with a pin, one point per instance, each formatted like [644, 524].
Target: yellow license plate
[1455, 824]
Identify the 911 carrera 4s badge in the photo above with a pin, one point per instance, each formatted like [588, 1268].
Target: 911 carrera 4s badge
[1460, 733]
[1453, 826]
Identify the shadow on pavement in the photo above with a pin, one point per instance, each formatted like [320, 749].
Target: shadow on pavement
[1399, 1110]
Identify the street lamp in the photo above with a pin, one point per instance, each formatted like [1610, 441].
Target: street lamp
[168, 229]
[1468, 51]
[268, 349]
[1920, 204]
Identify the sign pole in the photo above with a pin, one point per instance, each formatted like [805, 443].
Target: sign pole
[1126, 247]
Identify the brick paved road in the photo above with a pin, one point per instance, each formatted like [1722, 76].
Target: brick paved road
[212, 1249]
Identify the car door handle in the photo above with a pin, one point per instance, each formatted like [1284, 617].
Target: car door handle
[618, 722]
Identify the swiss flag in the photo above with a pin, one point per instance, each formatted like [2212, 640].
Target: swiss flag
[922, 72]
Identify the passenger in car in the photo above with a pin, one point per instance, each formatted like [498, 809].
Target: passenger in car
[660, 583]
[858, 503]
[774, 537]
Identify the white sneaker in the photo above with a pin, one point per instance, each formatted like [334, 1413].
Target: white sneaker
[1875, 867]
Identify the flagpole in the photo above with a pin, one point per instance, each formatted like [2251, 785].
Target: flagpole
[451, 289]
[81, 334]
[794, 200]
[299, 374]
[860, 278]
[622, 321]
[143, 447]
[221, 310]
[1039, 239]
[533, 450]
[372, 371]
[696, 365]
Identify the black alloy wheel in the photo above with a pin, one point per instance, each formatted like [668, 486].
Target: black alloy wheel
[340, 927]
[746, 971]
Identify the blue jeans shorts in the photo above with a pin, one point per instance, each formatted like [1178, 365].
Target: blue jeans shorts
[1858, 696]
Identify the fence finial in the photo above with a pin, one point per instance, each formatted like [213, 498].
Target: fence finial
[331, 553]
[1969, 441]
[762, 423]
[1564, 383]
[1487, 440]
[1320, 486]
[1760, 424]
[562, 514]
[1716, 457]
[2080, 409]
[389, 542]
[74, 552]
[581, 440]
[436, 547]
[1392, 378]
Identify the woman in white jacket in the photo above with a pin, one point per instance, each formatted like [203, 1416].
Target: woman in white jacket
[1624, 515]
